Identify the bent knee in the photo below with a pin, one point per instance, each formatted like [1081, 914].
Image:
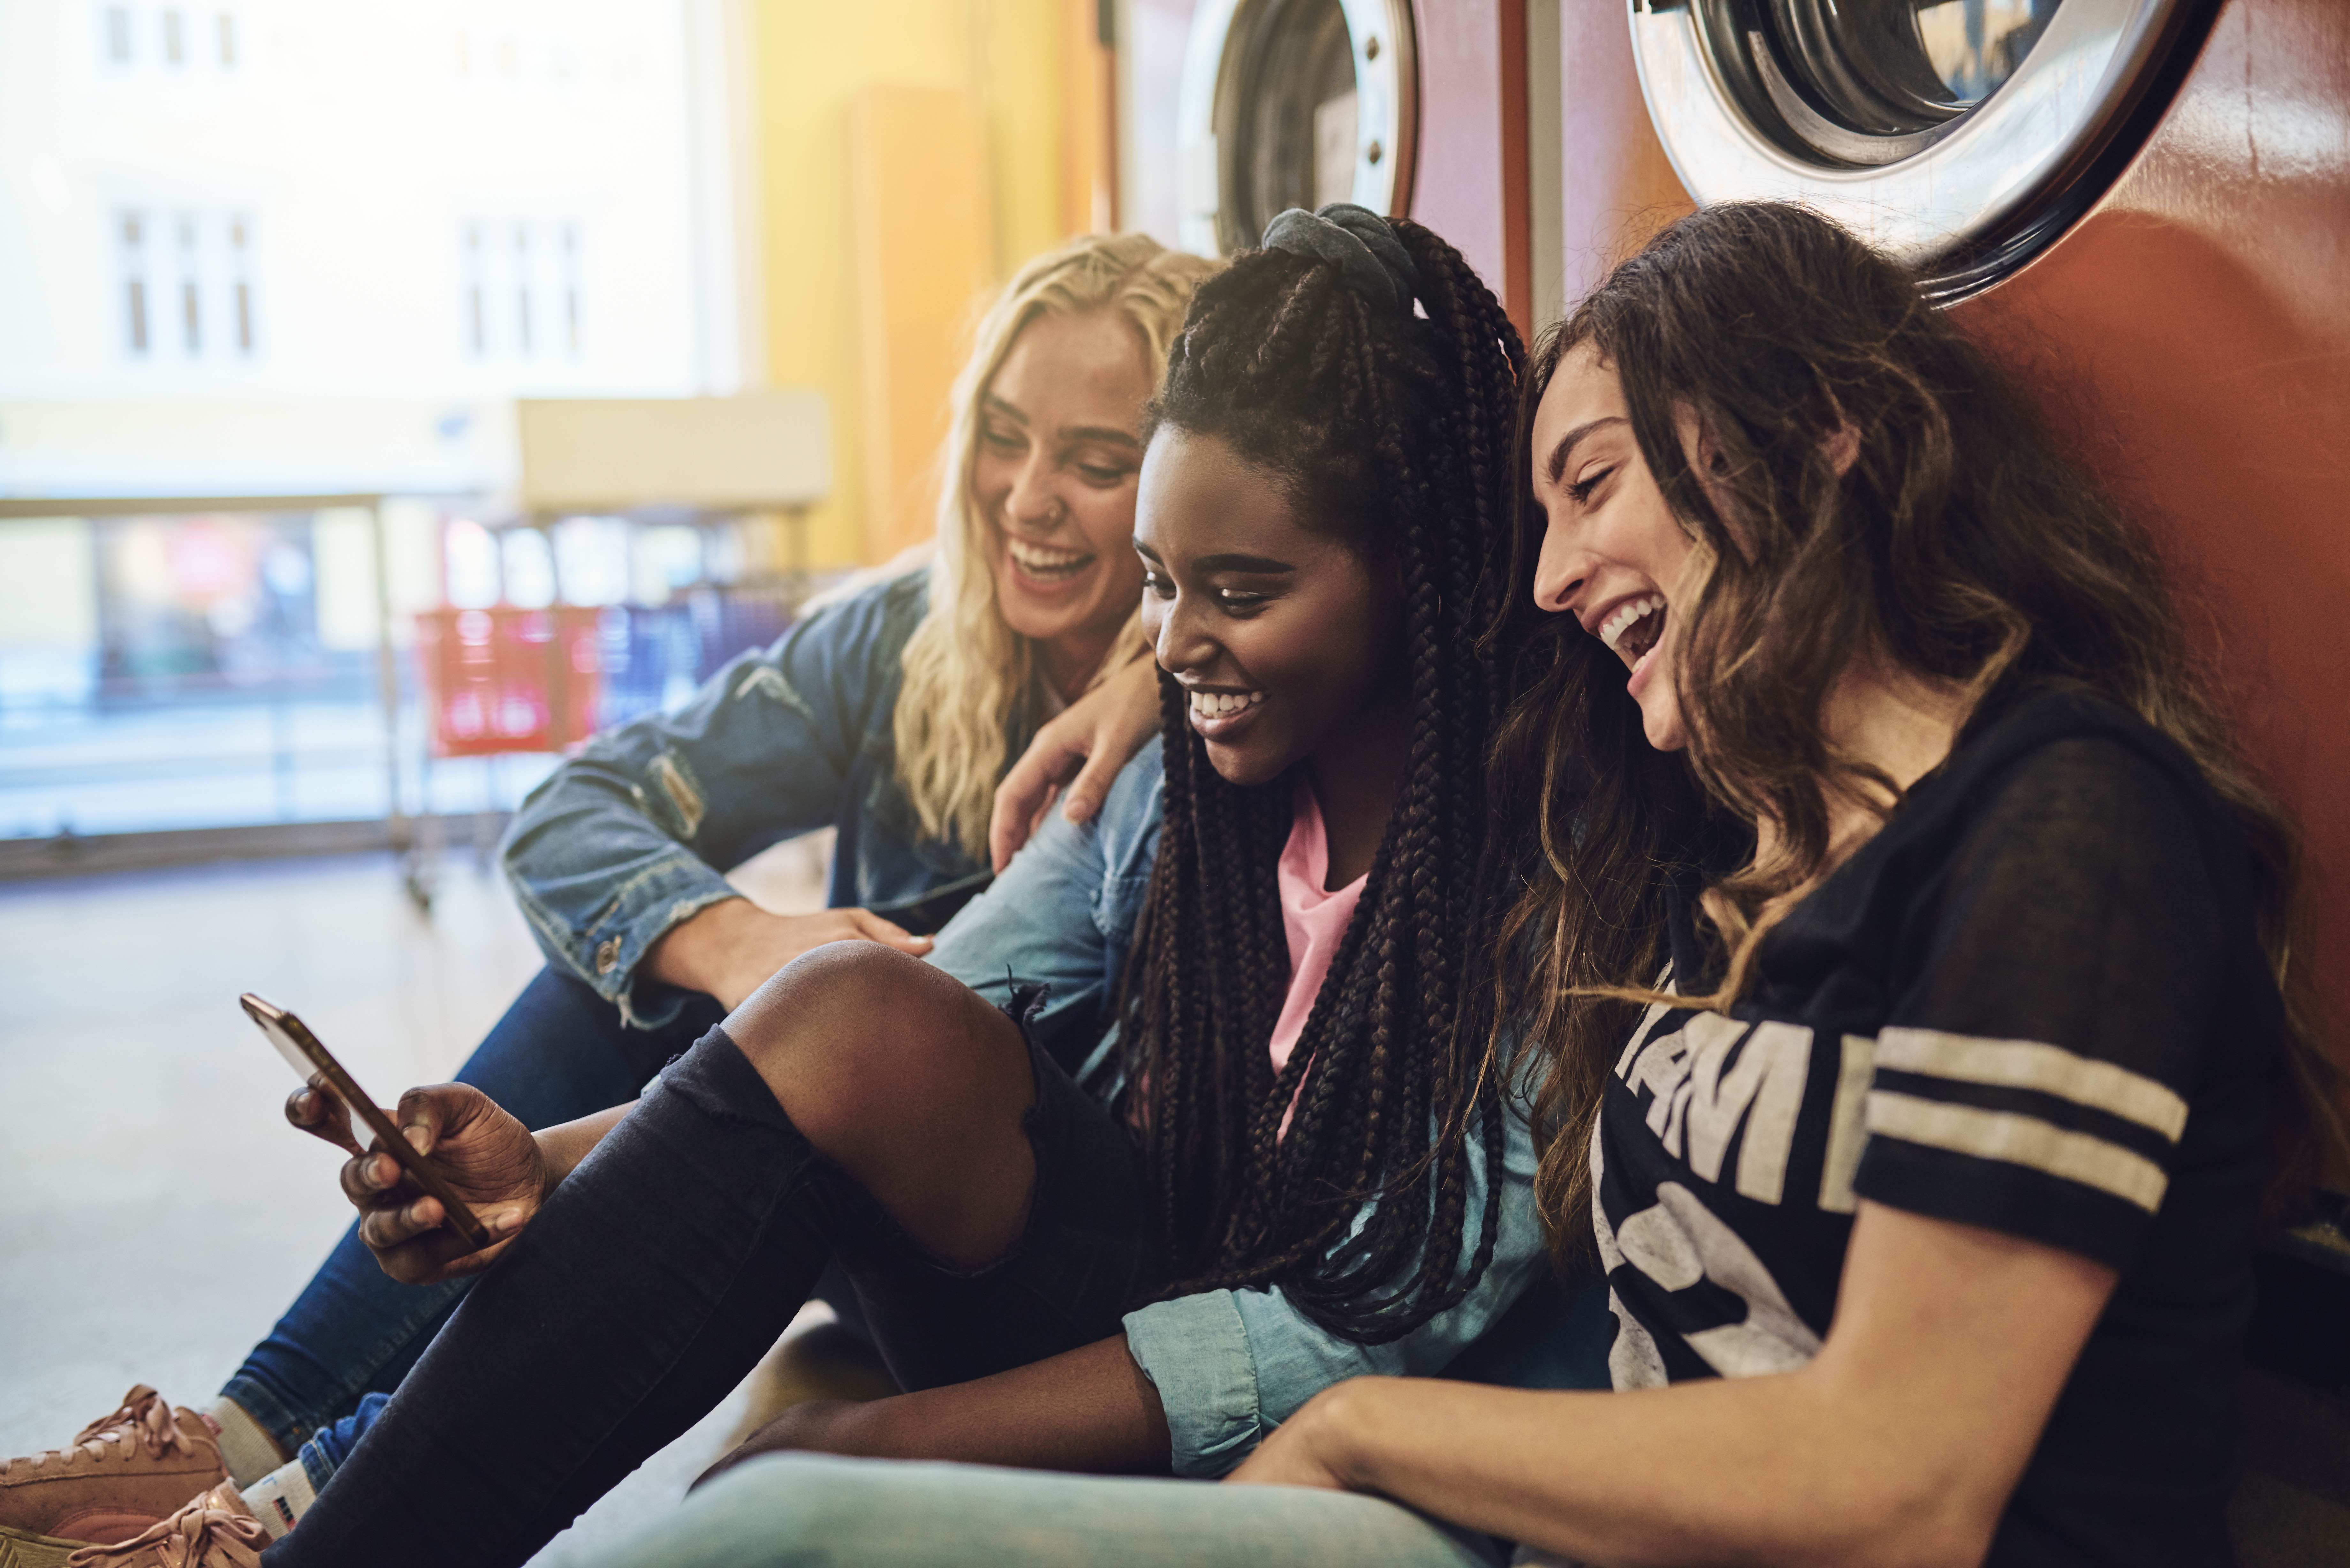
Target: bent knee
[852, 1036]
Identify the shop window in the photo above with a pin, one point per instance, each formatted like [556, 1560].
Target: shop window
[571, 287]
[131, 245]
[241, 283]
[522, 297]
[522, 289]
[192, 300]
[187, 284]
[477, 326]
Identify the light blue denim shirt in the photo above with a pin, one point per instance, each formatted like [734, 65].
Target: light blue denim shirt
[633, 833]
[1229, 1365]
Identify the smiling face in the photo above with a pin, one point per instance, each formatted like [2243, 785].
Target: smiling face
[1053, 480]
[1613, 555]
[1286, 638]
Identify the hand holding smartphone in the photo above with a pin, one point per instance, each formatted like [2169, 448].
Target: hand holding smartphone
[317, 1067]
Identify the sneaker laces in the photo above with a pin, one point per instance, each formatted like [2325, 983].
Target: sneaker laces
[209, 1532]
[144, 1422]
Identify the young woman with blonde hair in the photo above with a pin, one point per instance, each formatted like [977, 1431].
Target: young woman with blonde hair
[887, 714]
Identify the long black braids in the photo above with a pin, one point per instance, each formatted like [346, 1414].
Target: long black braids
[1394, 430]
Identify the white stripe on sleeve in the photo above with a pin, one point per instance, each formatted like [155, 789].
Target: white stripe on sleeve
[2029, 1065]
[2015, 1139]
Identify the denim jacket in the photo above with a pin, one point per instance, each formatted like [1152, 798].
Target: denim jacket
[1229, 1365]
[631, 836]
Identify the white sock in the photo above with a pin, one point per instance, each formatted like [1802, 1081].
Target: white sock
[247, 1448]
[281, 1497]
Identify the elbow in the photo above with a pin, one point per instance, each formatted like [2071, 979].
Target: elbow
[1941, 1528]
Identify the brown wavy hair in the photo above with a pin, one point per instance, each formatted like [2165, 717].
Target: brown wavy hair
[1957, 545]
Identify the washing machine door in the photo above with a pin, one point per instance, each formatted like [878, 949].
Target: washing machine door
[1962, 135]
[1293, 103]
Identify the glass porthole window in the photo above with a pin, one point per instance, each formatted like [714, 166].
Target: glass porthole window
[1292, 103]
[1961, 134]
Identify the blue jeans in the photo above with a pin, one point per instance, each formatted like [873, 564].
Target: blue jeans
[561, 1051]
[809, 1511]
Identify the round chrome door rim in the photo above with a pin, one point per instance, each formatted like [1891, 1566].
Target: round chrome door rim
[1386, 85]
[2018, 144]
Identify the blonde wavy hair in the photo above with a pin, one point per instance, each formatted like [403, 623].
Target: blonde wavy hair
[968, 674]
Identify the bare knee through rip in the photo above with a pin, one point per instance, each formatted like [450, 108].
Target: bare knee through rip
[909, 1081]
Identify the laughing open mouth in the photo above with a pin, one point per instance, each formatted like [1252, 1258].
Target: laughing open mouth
[1634, 628]
[1045, 564]
[1223, 704]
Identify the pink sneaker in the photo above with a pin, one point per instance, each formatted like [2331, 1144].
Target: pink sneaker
[124, 1472]
[215, 1530]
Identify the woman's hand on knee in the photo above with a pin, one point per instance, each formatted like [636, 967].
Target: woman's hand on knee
[730, 949]
[488, 1157]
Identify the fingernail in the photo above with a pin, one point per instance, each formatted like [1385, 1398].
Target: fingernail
[417, 1138]
[505, 1222]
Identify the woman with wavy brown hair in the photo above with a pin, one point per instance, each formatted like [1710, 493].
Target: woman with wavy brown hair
[1907, 940]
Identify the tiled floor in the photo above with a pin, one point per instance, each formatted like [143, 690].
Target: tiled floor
[155, 1211]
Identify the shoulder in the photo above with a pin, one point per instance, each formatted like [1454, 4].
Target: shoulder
[887, 597]
[2064, 760]
[871, 615]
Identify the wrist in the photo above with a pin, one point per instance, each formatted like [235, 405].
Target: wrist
[697, 953]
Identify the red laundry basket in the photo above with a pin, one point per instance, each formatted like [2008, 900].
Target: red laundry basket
[507, 680]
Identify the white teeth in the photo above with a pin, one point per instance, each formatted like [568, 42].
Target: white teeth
[1223, 704]
[1612, 629]
[1038, 558]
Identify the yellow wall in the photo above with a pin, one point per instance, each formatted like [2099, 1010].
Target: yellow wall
[925, 248]
[814, 59]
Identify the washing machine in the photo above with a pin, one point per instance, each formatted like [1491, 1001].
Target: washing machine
[1403, 108]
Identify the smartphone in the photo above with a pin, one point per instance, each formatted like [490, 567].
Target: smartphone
[319, 1069]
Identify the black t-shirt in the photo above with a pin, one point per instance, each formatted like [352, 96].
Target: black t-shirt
[2034, 1002]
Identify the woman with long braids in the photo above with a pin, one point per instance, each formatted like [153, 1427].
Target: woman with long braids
[1296, 1170]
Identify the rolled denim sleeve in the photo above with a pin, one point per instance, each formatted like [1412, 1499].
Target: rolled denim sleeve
[627, 837]
[1231, 1366]
[1062, 914]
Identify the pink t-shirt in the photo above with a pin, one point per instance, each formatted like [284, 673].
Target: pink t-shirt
[1313, 918]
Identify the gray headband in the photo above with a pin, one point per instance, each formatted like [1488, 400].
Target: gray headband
[1357, 241]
